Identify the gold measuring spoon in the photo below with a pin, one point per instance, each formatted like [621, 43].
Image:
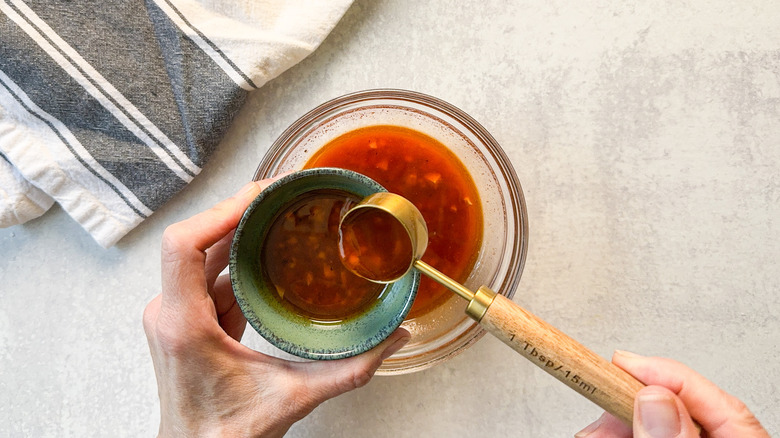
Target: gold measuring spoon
[384, 236]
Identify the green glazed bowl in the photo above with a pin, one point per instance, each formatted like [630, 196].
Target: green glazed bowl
[257, 298]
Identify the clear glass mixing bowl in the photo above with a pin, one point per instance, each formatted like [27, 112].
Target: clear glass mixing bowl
[446, 331]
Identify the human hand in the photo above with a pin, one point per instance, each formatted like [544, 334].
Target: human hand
[675, 394]
[210, 384]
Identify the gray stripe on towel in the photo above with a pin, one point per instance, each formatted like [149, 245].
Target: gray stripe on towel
[70, 147]
[99, 32]
[157, 70]
[207, 109]
[116, 149]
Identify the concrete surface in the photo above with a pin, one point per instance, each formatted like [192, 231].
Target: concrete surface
[647, 139]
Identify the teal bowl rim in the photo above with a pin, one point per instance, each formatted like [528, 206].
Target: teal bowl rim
[293, 333]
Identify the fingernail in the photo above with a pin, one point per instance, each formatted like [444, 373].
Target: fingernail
[247, 189]
[627, 354]
[391, 350]
[658, 416]
[590, 429]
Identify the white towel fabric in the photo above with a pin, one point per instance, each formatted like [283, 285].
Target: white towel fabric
[110, 114]
[20, 201]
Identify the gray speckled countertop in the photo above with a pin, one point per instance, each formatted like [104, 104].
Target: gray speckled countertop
[647, 139]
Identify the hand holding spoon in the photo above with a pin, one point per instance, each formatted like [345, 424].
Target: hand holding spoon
[384, 236]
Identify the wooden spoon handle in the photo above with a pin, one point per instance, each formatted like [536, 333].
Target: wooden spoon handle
[567, 360]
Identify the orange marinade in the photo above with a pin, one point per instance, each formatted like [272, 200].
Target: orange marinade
[300, 257]
[427, 173]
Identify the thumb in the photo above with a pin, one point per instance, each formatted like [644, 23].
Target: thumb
[659, 413]
[327, 379]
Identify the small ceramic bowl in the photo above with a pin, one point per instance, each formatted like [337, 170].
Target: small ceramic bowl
[259, 301]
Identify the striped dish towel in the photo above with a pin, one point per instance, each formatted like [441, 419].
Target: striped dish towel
[109, 108]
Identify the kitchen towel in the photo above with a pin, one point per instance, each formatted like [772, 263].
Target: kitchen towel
[109, 108]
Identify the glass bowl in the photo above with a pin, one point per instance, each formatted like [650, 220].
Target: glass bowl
[446, 331]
